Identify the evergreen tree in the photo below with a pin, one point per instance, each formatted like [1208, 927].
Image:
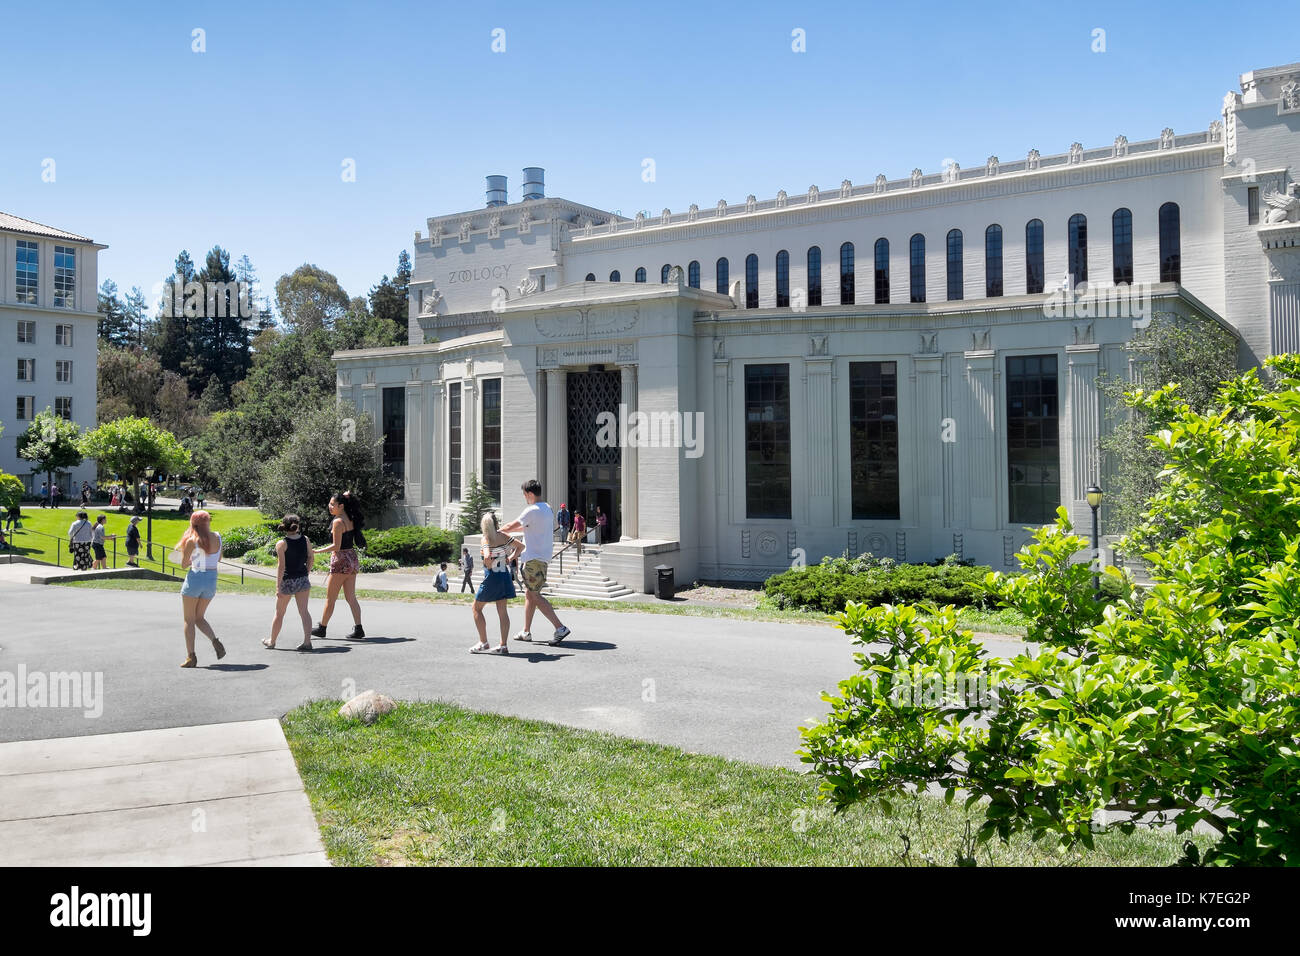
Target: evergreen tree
[172, 340]
[476, 503]
[114, 326]
[136, 308]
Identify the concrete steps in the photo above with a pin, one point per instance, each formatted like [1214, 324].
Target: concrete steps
[582, 579]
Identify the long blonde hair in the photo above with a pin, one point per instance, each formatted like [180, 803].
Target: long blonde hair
[199, 531]
[492, 538]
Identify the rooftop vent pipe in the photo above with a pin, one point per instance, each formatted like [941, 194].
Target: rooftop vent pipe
[496, 191]
[534, 182]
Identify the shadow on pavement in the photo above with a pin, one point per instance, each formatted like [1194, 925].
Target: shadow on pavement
[235, 667]
[383, 640]
[532, 657]
[586, 645]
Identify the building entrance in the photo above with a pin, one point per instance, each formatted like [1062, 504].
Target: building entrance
[595, 473]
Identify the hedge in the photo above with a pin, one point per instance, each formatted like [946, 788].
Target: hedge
[413, 545]
[829, 586]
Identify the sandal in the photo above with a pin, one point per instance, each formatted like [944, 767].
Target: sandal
[268, 643]
[191, 661]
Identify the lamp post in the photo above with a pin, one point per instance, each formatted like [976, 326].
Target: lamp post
[148, 473]
[1094, 502]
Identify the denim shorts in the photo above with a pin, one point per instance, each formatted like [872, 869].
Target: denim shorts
[200, 584]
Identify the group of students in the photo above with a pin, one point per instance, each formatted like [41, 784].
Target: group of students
[199, 551]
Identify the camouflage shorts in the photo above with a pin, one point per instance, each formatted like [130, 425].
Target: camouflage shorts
[535, 574]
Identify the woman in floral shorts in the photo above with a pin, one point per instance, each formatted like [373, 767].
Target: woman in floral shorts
[291, 581]
[346, 532]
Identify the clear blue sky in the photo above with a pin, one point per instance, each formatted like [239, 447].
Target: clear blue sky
[159, 148]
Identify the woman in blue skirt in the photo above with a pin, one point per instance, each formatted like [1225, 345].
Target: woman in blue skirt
[497, 587]
[200, 553]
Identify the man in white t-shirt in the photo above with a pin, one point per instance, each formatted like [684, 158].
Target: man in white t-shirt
[537, 522]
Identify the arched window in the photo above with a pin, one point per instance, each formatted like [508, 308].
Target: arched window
[693, 274]
[918, 267]
[846, 274]
[1034, 256]
[993, 261]
[882, 272]
[1078, 237]
[955, 286]
[1171, 265]
[815, 275]
[640, 274]
[591, 277]
[1121, 244]
[614, 276]
[751, 281]
[724, 275]
[783, 280]
[663, 273]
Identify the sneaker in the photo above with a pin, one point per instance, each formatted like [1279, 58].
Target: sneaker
[499, 649]
[358, 633]
[481, 649]
[525, 636]
[318, 630]
[560, 634]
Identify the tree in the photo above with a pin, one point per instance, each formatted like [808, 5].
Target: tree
[171, 342]
[11, 490]
[310, 298]
[476, 502]
[1183, 701]
[1196, 353]
[136, 306]
[128, 384]
[177, 411]
[333, 449]
[51, 443]
[213, 398]
[129, 446]
[114, 324]
[388, 299]
[218, 336]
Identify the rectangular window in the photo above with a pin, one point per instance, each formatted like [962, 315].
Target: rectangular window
[453, 441]
[63, 406]
[492, 437]
[395, 432]
[27, 271]
[26, 332]
[767, 441]
[873, 438]
[1252, 205]
[27, 370]
[62, 371]
[63, 335]
[26, 407]
[1033, 448]
[65, 277]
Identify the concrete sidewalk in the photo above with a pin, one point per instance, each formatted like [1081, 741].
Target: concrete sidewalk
[214, 795]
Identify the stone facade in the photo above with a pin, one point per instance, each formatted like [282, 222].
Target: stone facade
[506, 292]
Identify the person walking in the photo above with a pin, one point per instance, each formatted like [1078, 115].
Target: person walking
[80, 536]
[55, 495]
[563, 519]
[202, 497]
[12, 516]
[293, 562]
[85, 494]
[344, 563]
[536, 522]
[45, 495]
[602, 521]
[579, 532]
[467, 565]
[99, 533]
[499, 551]
[440, 583]
[200, 552]
[133, 542]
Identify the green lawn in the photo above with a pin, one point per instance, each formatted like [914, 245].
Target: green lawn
[433, 784]
[167, 530]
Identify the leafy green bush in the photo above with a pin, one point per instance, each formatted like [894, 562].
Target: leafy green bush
[237, 541]
[412, 545]
[262, 556]
[1182, 702]
[828, 587]
[371, 565]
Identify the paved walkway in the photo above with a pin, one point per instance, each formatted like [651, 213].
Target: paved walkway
[216, 795]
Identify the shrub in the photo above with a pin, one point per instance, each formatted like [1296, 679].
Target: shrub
[1183, 703]
[371, 565]
[262, 556]
[412, 545]
[831, 585]
[237, 541]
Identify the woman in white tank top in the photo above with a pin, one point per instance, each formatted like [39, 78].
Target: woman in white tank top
[200, 549]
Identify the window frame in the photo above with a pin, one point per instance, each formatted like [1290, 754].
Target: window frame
[814, 275]
[27, 272]
[65, 279]
[751, 281]
[455, 440]
[1076, 243]
[915, 269]
[880, 279]
[955, 264]
[859, 509]
[1005, 421]
[1121, 241]
[994, 284]
[848, 279]
[766, 506]
[484, 458]
[1035, 258]
[783, 279]
[722, 275]
[1171, 238]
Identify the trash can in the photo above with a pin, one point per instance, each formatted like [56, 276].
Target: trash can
[664, 587]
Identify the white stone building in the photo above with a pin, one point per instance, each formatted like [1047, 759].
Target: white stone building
[888, 366]
[49, 349]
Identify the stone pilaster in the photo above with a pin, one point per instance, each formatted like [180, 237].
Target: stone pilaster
[819, 443]
[435, 435]
[930, 438]
[557, 436]
[629, 461]
[469, 436]
[978, 434]
[370, 409]
[722, 449]
[1080, 433]
[417, 483]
